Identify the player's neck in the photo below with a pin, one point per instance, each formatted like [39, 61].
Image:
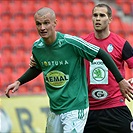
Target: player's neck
[51, 39]
[102, 34]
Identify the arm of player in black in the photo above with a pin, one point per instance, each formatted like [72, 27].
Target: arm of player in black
[125, 88]
[110, 64]
[30, 74]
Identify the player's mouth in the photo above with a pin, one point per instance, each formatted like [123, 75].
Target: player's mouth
[97, 24]
[43, 33]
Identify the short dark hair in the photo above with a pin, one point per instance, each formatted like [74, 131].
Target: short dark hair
[109, 10]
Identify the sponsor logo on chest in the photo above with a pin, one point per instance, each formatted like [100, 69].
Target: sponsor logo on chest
[57, 79]
[54, 63]
[99, 94]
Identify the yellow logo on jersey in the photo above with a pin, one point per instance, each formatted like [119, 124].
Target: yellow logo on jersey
[57, 79]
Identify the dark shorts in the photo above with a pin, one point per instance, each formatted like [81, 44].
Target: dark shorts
[113, 120]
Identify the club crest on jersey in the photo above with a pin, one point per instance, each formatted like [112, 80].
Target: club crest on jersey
[57, 78]
[61, 42]
[110, 48]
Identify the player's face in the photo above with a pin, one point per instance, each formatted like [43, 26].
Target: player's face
[100, 18]
[45, 25]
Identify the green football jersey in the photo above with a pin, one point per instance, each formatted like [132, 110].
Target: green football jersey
[62, 64]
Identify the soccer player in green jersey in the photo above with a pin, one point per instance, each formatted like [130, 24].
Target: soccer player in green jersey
[61, 59]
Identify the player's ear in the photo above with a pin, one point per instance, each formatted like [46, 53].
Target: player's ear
[55, 22]
[110, 19]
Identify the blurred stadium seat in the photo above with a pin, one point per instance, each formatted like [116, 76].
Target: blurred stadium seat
[15, 7]
[77, 9]
[89, 26]
[28, 7]
[66, 9]
[24, 89]
[129, 37]
[127, 27]
[79, 24]
[5, 21]
[68, 24]
[7, 56]
[6, 39]
[28, 43]
[116, 24]
[126, 7]
[4, 6]
[37, 87]
[59, 23]
[29, 26]
[88, 6]
[55, 5]
[17, 22]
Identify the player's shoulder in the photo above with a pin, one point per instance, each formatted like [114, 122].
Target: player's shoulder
[65, 37]
[72, 39]
[88, 36]
[117, 37]
[38, 43]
